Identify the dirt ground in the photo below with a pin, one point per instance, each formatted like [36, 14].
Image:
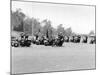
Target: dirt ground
[39, 58]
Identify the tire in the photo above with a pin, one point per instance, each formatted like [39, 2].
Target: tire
[28, 45]
[12, 44]
[46, 44]
[16, 45]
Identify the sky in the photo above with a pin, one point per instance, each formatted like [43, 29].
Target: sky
[80, 18]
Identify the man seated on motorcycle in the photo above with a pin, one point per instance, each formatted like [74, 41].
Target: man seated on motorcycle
[61, 37]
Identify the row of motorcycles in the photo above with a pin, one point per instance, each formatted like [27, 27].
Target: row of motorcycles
[26, 42]
[79, 39]
[49, 41]
[23, 42]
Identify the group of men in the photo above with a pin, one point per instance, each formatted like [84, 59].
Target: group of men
[49, 41]
[81, 39]
[24, 40]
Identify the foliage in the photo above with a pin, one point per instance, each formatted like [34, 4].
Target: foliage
[68, 31]
[32, 26]
[91, 33]
[17, 18]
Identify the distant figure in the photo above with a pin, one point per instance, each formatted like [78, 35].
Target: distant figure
[71, 39]
[77, 39]
[66, 38]
[85, 39]
[93, 40]
[26, 37]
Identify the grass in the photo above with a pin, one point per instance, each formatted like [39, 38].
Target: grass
[46, 58]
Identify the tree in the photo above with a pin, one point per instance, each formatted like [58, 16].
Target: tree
[60, 29]
[91, 32]
[47, 28]
[36, 26]
[28, 26]
[17, 18]
[68, 31]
